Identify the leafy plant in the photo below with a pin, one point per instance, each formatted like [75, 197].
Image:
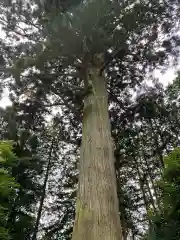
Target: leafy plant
[8, 186]
[166, 224]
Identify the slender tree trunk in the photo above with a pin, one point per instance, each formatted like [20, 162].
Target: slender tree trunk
[146, 202]
[122, 209]
[142, 188]
[151, 196]
[157, 145]
[43, 193]
[97, 214]
[152, 181]
[133, 236]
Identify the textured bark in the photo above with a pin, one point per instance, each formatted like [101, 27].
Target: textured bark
[97, 215]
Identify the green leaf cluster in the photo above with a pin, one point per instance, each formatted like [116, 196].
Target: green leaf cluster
[8, 186]
[166, 223]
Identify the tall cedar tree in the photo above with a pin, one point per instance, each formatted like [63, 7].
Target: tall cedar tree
[75, 52]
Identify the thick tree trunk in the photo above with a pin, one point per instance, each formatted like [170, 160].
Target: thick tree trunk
[97, 215]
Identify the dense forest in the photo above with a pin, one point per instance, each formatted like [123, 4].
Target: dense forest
[90, 145]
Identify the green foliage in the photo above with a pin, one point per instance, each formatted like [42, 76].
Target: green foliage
[8, 186]
[26, 169]
[166, 224]
[59, 5]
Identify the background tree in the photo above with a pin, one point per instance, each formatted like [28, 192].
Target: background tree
[26, 171]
